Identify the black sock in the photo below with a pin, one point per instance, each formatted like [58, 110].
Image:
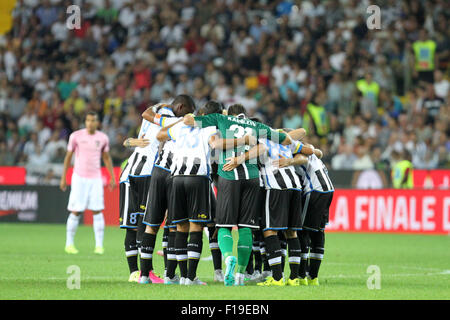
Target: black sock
[194, 248]
[140, 229]
[131, 250]
[181, 252]
[147, 247]
[171, 255]
[274, 256]
[250, 268]
[283, 245]
[262, 249]
[165, 239]
[257, 252]
[303, 239]
[294, 252]
[316, 253]
[214, 247]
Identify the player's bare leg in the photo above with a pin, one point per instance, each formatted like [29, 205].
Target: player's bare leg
[71, 228]
[99, 231]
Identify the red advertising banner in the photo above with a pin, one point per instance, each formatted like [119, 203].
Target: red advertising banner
[389, 210]
[12, 175]
[432, 179]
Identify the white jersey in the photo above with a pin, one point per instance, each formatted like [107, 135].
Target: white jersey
[141, 161]
[280, 178]
[314, 176]
[193, 153]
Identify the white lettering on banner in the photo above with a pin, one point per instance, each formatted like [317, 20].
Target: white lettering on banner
[414, 225]
[428, 213]
[371, 213]
[446, 214]
[384, 213]
[401, 214]
[18, 200]
[360, 213]
[341, 216]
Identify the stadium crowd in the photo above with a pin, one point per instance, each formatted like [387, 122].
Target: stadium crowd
[365, 96]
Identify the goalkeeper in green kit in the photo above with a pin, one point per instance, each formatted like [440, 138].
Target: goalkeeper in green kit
[238, 191]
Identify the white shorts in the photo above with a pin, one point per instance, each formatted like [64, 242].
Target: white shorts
[86, 193]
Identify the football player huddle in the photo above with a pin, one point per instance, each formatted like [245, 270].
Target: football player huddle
[221, 170]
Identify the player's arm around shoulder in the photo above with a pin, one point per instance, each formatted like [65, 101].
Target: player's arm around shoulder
[150, 114]
[257, 151]
[136, 142]
[167, 133]
[297, 134]
[202, 121]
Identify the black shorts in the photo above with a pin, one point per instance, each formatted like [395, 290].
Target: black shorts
[191, 199]
[238, 203]
[316, 210]
[126, 206]
[282, 210]
[158, 197]
[140, 187]
[131, 195]
[262, 196]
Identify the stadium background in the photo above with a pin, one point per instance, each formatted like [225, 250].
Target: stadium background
[291, 63]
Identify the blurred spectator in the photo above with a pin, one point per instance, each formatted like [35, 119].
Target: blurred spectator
[363, 160]
[441, 85]
[363, 95]
[344, 159]
[37, 161]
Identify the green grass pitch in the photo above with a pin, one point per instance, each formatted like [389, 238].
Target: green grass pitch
[33, 265]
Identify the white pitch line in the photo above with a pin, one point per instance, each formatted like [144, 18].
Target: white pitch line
[332, 276]
[367, 264]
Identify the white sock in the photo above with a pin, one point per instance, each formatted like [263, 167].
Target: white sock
[71, 228]
[99, 229]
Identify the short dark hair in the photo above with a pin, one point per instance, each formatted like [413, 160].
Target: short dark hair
[256, 119]
[210, 107]
[90, 113]
[236, 109]
[185, 100]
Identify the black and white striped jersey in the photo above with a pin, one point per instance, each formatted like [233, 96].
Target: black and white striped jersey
[280, 178]
[165, 157]
[141, 161]
[314, 176]
[192, 154]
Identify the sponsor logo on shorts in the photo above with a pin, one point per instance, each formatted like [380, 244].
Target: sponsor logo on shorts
[202, 216]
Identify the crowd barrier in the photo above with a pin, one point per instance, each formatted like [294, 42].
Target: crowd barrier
[390, 210]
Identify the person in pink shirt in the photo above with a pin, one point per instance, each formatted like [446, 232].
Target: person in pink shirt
[89, 146]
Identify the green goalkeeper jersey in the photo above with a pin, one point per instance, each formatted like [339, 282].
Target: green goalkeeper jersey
[231, 127]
